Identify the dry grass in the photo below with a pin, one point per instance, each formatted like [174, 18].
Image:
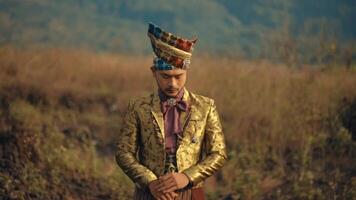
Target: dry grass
[275, 118]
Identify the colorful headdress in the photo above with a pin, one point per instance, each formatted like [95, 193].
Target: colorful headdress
[171, 51]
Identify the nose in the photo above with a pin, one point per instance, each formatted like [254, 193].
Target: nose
[171, 82]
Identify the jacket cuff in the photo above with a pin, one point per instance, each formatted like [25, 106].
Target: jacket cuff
[143, 183]
[190, 173]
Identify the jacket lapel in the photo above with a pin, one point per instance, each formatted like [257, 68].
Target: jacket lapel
[157, 113]
[184, 116]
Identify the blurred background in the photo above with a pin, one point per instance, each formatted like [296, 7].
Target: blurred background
[282, 74]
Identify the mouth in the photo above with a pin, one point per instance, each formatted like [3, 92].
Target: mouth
[171, 90]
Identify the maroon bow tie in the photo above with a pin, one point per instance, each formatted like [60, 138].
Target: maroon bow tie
[172, 103]
[176, 102]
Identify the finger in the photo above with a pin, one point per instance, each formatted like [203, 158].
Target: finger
[166, 183]
[163, 197]
[154, 184]
[160, 182]
[175, 195]
[169, 182]
[166, 186]
[161, 186]
[170, 189]
[171, 195]
[172, 183]
[166, 177]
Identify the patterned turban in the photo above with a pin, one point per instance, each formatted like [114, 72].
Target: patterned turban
[171, 51]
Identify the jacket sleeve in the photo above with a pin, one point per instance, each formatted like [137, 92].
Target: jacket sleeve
[127, 147]
[215, 149]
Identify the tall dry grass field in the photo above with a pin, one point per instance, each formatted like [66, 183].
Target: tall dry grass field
[290, 133]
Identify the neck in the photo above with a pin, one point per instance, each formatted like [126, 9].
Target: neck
[163, 96]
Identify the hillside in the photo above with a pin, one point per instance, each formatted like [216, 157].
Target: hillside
[228, 27]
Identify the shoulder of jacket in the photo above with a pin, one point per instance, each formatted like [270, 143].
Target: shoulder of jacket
[137, 102]
[202, 100]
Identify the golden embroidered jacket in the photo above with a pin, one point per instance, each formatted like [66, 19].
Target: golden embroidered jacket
[141, 147]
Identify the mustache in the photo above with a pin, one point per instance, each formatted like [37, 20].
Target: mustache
[171, 89]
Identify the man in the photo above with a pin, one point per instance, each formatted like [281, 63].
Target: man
[172, 140]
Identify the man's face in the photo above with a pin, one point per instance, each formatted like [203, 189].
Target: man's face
[170, 81]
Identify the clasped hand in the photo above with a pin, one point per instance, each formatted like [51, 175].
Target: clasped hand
[165, 186]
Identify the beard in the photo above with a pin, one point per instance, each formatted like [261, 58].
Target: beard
[171, 91]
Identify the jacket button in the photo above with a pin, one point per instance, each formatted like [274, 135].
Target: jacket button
[194, 139]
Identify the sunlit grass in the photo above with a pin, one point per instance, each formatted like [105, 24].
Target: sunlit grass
[282, 126]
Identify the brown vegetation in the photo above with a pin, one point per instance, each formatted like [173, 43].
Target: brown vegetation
[288, 131]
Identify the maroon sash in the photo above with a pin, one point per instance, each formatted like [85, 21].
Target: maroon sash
[198, 194]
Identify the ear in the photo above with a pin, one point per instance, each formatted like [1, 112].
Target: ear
[153, 70]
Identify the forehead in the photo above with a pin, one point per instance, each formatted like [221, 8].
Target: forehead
[173, 72]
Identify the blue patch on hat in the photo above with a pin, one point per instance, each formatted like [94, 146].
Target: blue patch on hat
[160, 64]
